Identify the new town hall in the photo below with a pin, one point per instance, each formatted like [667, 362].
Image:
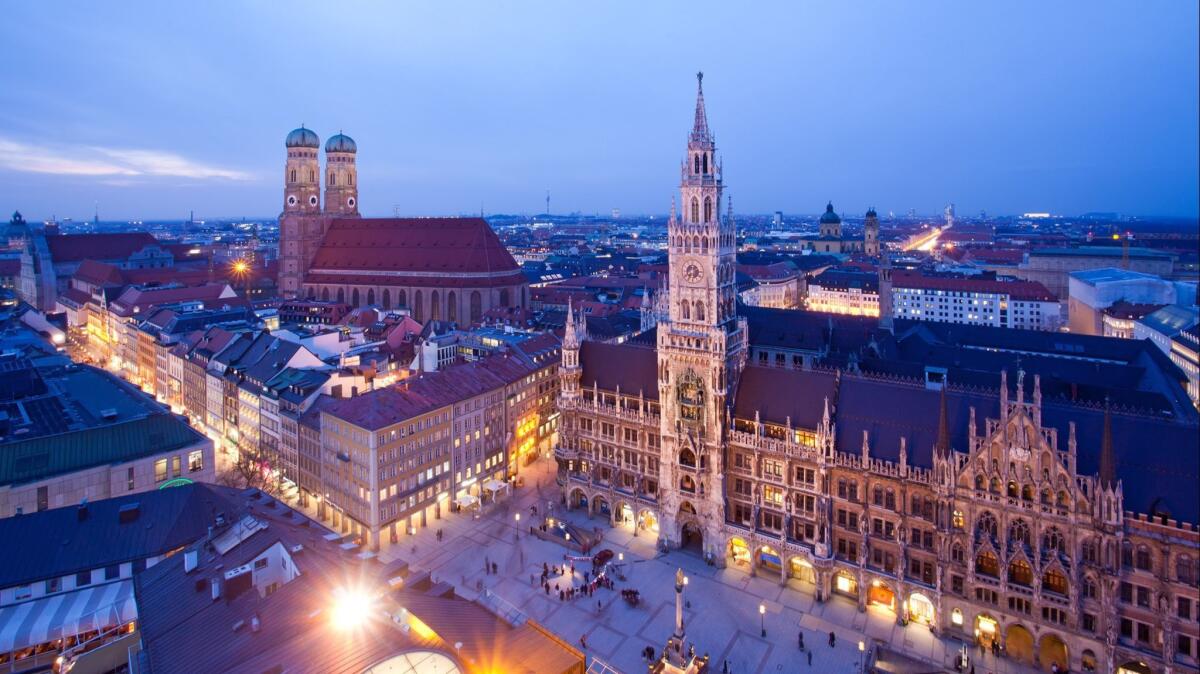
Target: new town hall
[1058, 531]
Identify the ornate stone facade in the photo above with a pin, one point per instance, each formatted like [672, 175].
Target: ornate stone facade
[988, 515]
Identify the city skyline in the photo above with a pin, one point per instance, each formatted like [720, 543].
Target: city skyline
[1042, 112]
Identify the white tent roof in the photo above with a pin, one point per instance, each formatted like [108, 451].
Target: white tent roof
[66, 614]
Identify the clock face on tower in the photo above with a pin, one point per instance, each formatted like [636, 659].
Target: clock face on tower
[312, 200]
[291, 200]
[691, 273]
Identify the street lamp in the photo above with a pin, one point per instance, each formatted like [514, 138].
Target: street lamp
[762, 616]
[861, 648]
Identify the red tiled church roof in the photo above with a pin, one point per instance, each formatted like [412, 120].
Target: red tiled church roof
[73, 247]
[411, 247]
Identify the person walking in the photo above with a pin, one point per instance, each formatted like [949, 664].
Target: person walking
[832, 639]
[810, 658]
[800, 639]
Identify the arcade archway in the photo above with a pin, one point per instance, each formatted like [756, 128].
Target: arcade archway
[1052, 650]
[1018, 644]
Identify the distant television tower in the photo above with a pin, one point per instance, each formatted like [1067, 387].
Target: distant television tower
[547, 202]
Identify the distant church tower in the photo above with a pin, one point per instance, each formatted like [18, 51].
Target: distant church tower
[871, 234]
[300, 224]
[341, 176]
[701, 348]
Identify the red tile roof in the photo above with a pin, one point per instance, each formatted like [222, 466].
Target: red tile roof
[100, 274]
[423, 394]
[1018, 290]
[136, 299]
[413, 247]
[73, 247]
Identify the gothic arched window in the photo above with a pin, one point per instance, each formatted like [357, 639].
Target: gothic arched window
[452, 306]
[371, 296]
[706, 163]
[695, 210]
[293, 175]
[1018, 532]
[685, 310]
[505, 300]
[1020, 572]
[1053, 540]
[986, 564]
[1054, 581]
[332, 180]
[697, 164]
[699, 310]
[707, 209]
[476, 306]
[387, 298]
[325, 294]
[418, 314]
[354, 297]
[986, 525]
[402, 298]
[435, 306]
[341, 296]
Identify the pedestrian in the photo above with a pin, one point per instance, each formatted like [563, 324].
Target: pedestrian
[547, 589]
[600, 606]
[531, 580]
[810, 658]
[972, 668]
[486, 564]
[832, 639]
[495, 569]
[583, 641]
[561, 595]
[800, 639]
[545, 569]
[725, 668]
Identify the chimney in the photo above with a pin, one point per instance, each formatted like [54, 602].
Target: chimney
[128, 512]
[191, 559]
[82, 513]
[216, 588]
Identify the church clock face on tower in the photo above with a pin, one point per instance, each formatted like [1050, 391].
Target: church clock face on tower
[691, 272]
[291, 200]
[312, 201]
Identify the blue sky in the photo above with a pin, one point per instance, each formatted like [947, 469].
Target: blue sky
[153, 109]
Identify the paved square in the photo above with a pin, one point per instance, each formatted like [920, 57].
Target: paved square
[722, 618]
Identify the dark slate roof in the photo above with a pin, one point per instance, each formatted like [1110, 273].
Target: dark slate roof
[59, 543]
[1164, 472]
[632, 367]
[778, 394]
[1132, 373]
[807, 330]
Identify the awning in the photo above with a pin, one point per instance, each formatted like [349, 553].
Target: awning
[466, 501]
[66, 614]
[494, 485]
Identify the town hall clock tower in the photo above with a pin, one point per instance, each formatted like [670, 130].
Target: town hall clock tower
[701, 349]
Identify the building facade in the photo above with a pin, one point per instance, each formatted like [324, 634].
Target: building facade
[991, 516]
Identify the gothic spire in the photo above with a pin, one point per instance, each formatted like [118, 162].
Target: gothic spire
[1108, 462]
[700, 126]
[942, 448]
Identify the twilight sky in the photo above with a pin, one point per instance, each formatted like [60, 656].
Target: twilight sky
[153, 108]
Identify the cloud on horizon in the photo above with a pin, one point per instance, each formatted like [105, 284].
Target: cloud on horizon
[106, 162]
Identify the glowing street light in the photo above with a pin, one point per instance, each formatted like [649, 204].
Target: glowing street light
[762, 615]
[861, 648]
[350, 608]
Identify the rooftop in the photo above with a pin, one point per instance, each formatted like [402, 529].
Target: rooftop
[58, 417]
[63, 541]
